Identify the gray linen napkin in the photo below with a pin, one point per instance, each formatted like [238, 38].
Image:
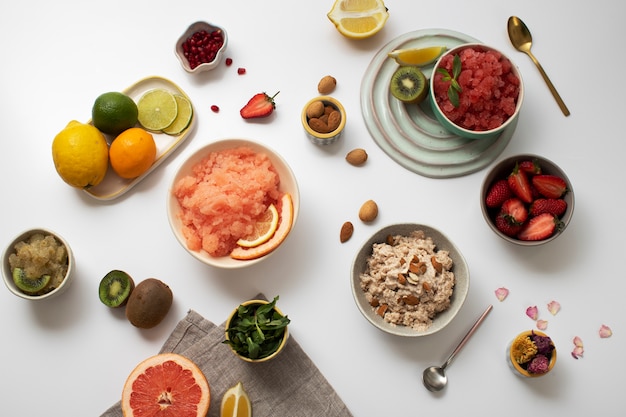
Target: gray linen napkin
[289, 385]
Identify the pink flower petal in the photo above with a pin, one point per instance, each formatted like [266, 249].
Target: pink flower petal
[605, 331]
[577, 352]
[578, 342]
[554, 307]
[532, 312]
[542, 324]
[502, 293]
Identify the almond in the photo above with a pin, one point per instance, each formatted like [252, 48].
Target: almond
[334, 120]
[411, 300]
[368, 211]
[356, 157]
[327, 85]
[346, 232]
[436, 264]
[318, 125]
[315, 109]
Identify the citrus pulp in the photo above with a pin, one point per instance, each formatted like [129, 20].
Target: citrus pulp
[358, 19]
[114, 112]
[264, 229]
[166, 384]
[80, 154]
[236, 403]
[132, 152]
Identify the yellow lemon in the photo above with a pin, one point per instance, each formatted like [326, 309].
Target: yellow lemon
[358, 19]
[80, 154]
[418, 57]
[236, 403]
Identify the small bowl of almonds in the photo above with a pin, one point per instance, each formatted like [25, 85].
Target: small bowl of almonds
[323, 119]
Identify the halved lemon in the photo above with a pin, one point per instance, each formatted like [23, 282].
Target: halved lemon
[264, 229]
[418, 57]
[236, 403]
[157, 109]
[358, 19]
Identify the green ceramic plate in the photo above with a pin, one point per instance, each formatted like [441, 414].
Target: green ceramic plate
[410, 134]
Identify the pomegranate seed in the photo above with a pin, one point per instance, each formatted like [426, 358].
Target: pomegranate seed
[215, 108]
[241, 71]
[229, 62]
[202, 47]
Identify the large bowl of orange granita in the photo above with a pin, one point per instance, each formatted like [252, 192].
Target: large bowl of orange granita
[476, 91]
[233, 203]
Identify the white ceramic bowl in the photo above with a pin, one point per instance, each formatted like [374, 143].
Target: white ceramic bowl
[501, 170]
[193, 28]
[460, 269]
[288, 184]
[7, 272]
[455, 128]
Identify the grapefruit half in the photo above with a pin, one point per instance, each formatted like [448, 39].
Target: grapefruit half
[166, 384]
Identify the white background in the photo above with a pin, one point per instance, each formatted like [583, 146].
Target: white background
[70, 356]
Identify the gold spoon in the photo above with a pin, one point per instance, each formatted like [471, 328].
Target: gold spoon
[522, 41]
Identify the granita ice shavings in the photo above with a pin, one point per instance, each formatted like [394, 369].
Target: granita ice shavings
[223, 197]
[489, 90]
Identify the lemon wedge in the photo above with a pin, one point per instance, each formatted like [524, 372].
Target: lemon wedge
[236, 403]
[358, 19]
[417, 57]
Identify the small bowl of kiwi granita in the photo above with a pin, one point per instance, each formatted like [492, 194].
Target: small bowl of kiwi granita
[37, 264]
[476, 92]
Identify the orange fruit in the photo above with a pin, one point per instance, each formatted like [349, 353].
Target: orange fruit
[167, 384]
[236, 403]
[284, 227]
[132, 152]
[264, 229]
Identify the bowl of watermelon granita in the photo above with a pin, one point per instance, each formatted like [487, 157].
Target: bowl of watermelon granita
[233, 203]
[476, 91]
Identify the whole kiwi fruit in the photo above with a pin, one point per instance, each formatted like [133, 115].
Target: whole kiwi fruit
[409, 84]
[149, 303]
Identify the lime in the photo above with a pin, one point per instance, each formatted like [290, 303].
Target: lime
[114, 112]
[157, 109]
[183, 118]
[81, 155]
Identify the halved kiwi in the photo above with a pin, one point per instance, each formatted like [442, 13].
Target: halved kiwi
[409, 84]
[115, 288]
[29, 285]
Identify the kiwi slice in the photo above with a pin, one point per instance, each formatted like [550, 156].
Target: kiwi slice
[409, 84]
[29, 285]
[115, 288]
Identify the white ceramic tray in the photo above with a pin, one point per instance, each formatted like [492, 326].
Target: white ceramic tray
[113, 186]
[410, 134]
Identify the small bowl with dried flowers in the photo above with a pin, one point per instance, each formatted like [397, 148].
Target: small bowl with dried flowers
[256, 331]
[532, 354]
[323, 119]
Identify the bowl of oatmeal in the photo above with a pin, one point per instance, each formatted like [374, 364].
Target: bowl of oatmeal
[476, 91]
[409, 280]
[38, 264]
[222, 194]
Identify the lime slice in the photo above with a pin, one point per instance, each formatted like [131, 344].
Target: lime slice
[417, 56]
[183, 118]
[157, 109]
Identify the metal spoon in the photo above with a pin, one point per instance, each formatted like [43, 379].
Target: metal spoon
[522, 41]
[434, 377]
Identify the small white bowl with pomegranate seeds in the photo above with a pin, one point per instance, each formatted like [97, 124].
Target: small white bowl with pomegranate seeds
[527, 200]
[201, 47]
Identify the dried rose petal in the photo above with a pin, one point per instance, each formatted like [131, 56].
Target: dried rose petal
[578, 348]
[542, 324]
[502, 293]
[605, 331]
[554, 307]
[532, 312]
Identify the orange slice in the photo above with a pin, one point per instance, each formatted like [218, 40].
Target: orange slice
[283, 229]
[264, 229]
[236, 403]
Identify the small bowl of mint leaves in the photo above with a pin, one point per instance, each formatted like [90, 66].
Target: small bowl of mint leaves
[256, 330]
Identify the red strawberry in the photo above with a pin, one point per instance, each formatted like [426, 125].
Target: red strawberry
[498, 193]
[514, 210]
[549, 186]
[530, 167]
[540, 227]
[519, 184]
[260, 105]
[504, 225]
[556, 206]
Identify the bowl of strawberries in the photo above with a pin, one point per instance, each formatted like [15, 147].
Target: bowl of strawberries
[527, 200]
